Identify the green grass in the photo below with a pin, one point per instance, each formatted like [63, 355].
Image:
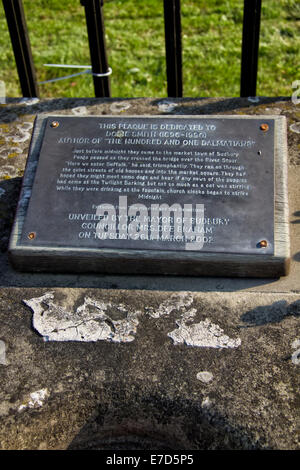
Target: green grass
[211, 36]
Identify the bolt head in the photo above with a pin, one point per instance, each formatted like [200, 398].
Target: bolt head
[54, 124]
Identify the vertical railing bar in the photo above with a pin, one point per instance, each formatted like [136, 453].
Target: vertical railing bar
[172, 20]
[17, 27]
[250, 46]
[96, 35]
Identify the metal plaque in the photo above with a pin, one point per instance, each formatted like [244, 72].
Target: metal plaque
[154, 183]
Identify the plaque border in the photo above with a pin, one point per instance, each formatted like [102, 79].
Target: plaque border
[137, 261]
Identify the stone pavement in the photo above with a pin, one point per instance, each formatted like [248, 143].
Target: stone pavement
[146, 362]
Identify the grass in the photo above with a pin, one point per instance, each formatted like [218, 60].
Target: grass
[211, 37]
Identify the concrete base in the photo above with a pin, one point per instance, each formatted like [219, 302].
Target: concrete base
[137, 362]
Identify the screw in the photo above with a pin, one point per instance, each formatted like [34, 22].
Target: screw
[54, 124]
[264, 127]
[263, 244]
[259, 152]
[31, 235]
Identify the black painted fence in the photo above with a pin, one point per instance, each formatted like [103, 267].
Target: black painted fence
[95, 27]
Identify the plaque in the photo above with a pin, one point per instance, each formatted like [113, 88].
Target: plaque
[188, 195]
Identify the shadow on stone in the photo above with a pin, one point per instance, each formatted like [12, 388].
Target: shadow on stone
[221, 105]
[17, 107]
[274, 313]
[155, 422]
[296, 256]
[297, 221]
[9, 192]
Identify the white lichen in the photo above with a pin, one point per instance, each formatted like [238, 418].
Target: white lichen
[205, 376]
[296, 354]
[89, 322]
[206, 402]
[295, 127]
[119, 107]
[23, 131]
[253, 99]
[167, 106]
[174, 302]
[204, 334]
[36, 399]
[8, 170]
[29, 101]
[80, 110]
[2, 353]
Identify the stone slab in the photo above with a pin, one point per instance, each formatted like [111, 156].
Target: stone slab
[17, 118]
[133, 370]
[81, 394]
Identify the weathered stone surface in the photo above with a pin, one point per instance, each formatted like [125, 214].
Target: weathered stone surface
[74, 394]
[164, 363]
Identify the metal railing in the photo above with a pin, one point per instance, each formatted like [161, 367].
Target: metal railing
[95, 27]
[21, 46]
